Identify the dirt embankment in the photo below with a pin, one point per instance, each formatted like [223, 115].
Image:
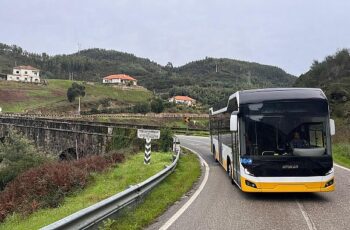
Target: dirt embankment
[12, 95]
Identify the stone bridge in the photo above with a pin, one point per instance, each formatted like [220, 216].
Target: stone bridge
[64, 138]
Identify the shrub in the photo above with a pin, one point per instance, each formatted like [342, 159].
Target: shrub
[124, 138]
[142, 107]
[157, 105]
[17, 154]
[166, 140]
[46, 185]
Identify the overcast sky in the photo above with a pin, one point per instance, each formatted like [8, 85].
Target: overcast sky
[285, 33]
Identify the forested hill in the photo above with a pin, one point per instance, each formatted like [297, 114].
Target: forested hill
[333, 76]
[209, 80]
[215, 79]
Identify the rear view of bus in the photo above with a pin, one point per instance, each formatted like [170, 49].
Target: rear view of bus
[275, 140]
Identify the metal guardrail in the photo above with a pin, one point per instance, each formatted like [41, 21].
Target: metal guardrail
[91, 216]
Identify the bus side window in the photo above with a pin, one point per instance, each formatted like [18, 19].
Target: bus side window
[316, 135]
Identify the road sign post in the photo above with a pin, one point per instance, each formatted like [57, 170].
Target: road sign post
[148, 135]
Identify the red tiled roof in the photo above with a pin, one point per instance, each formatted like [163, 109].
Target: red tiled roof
[27, 67]
[119, 76]
[183, 98]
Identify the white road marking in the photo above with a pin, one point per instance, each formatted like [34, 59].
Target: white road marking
[193, 198]
[342, 167]
[309, 222]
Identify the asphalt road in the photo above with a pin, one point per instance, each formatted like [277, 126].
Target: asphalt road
[221, 205]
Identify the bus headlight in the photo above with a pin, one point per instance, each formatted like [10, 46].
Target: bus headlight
[329, 183]
[246, 171]
[251, 184]
[330, 171]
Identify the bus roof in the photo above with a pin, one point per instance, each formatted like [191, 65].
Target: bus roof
[271, 94]
[276, 94]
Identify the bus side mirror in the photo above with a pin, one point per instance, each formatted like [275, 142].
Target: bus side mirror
[332, 126]
[233, 123]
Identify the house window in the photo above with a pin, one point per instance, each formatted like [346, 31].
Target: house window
[35, 73]
[17, 71]
[17, 78]
[25, 79]
[25, 72]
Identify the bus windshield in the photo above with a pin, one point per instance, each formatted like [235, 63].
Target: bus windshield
[284, 133]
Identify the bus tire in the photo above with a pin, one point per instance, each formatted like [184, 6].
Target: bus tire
[230, 170]
[214, 153]
[228, 166]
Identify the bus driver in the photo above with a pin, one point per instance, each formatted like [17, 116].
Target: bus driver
[297, 142]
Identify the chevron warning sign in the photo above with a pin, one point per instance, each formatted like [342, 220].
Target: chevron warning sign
[148, 134]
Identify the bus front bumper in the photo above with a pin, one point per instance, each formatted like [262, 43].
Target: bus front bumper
[253, 186]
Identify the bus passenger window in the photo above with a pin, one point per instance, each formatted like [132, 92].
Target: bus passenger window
[316, 135]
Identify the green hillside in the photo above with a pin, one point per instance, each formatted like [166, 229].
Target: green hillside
[25, 97]
[199, 79]
[215, 79]
[333, 76]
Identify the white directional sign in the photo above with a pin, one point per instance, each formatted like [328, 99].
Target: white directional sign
[148, 133]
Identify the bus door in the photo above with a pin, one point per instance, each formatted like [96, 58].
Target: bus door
[235, 152]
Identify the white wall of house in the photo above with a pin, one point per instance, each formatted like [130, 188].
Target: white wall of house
[119, 81]
[24, 75]
[188, 103]
[23, 78]
[112, 81]
[22, 72]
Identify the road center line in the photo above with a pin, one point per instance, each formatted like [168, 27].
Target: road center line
[309, 222]
[193, 198]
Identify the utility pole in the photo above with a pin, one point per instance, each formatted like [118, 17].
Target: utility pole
[76, 148]
[79, 107]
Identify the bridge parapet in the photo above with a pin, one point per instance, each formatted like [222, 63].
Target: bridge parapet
[59, 136]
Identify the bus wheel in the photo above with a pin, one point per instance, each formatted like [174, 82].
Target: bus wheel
[214, 153]
[229, 168]
[229, 171]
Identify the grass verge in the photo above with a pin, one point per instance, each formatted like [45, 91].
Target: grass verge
[103, 185]
[161, 197]
[341, 154]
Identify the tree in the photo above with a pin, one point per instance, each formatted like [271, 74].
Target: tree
[74, 91]
[166, 139]
[169, 65]
[157, 105]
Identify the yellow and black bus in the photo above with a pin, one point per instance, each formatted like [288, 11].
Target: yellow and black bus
[275, 140]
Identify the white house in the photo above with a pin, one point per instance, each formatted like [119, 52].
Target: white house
[24, 74]
[183, 100]
[120, 79]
